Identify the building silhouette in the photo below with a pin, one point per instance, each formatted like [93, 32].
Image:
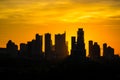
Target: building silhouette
[39, 45]
[61, 50]
[3, 53]
[73, 45]
[108, 52]
[33, 49]
[23, 50]
[78, 47]
[12, 49]
[90, 48]
[94, 50]
[48, 47]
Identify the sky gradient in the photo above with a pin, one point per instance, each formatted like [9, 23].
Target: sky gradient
[20, 20]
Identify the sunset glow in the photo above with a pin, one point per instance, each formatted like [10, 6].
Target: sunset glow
[20, 20]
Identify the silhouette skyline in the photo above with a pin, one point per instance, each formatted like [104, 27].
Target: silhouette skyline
[30, 59]
[59, 51]
[34, 46]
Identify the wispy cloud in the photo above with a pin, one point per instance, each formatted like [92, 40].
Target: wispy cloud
[38, 11]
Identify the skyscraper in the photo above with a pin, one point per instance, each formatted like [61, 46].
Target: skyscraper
[108, 52]
[73, 45]
[60, 46]
[12, 49]
[81, 51]
[23, 49]
[104, 49]
[34, 48]
[90, 48]
[48, 46]
[39, 40]
[78, 50]
[96, 51]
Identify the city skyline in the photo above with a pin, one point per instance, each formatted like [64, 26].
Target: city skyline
[51, 42]
[20, 20]
[34, 48]
[60, 39]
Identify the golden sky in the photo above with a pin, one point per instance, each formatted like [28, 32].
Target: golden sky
[20, 20]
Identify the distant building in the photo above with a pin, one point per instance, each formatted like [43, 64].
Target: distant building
[78, 47]
[23, 49]
[3, 53]
[105, 50]
[48, 47]
[73, 45]
[108, 52]
[39, 44]
[90, 48]
[12, 49]
[60, 46]
[94, 50]
[34, 48]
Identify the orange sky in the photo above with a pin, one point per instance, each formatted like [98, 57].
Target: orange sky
[20, 20]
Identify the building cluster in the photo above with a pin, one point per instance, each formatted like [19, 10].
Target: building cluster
[78, 46]
[34, 49]
[95, 52]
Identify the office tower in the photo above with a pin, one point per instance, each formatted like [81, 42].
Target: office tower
[34, 48]
[104, 49]
[78, 50]
[73, 45]
[23, 50]
[108, 52]
[96, 50]
[60, 46]
[48, 46]
[81, 51]
[12, 49]
[38, 44]
[90, 48]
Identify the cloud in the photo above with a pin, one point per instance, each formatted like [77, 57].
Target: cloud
[115, 17]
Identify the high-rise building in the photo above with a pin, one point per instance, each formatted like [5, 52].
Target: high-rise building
[12, 49]
[78, 50]
[60, 46]
[96, 51]
[34, 48]
[108, 52]
[23, 49]
[90, 48]
[48, 46]
[81, 51]
[104, 49]
[73, 45]
[39, 44]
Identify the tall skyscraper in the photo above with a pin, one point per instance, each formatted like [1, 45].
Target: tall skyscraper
[108, 52]
[90, 48]
[60, 46]
[104, 49]
[80, 43]
[73, 45]
[12, 49]
[78, 50]
[96, 51]
[48, 46]
[34, 48]
[39, 45]
[23, 49]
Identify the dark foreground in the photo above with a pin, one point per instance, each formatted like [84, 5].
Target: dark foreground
[68, 69]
